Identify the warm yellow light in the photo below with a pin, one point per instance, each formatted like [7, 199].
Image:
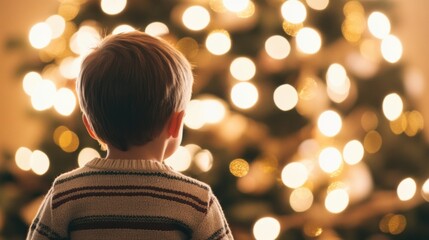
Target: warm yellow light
[293, 11]
[378, 25]
[196, 18]
[329, 123]
[266, 228]
[301, 199]
[30, 82]
[391, 49]
[40, 35]
[218, 42]
[369, 121]
[39, 162]
[213, 110]
[318, 4]
[86, 155]
[57, 25]
[242, 68]
[68, 141]
[285, 97]
[330, 159]
[353, 152]
[70, 67]
[277, 47]
[236, 6]
[406, 189]
[22, 158]
[43, 96]
[372, 142]
[244, 95]
[84, 40]
[123, 28]
[180, 160]
[239, 167]
[425, 190]
[113, 7]
[194, 118]
[338, 84]
[308, 40]
[204, 160]
[294, 175]
[337, 200]
[392, 106]
[65, 101]
[157, 29]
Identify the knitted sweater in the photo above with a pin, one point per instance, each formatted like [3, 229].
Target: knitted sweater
[128, 199]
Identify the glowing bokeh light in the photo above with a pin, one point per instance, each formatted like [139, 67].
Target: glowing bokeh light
[353, 152]
[22, 158]
[244, 95]
[204, 160]
[157, 29]
[294, 175]
[318, 4]
[68, 141]
[378, 25]
[239, 167]
[30, 82]
[266, 228]
[285, 97]
[213, 110]
[39, 162]
[406, 189]
[113, 7]
[65, 101]
[218, 42]
[391, 48]
[330, 159]
[337, 200]
[336, 75]
[57, 25]
[372, 141]
[236, 6]
[180, 160]
[194, 118]
[392, 106]
[243, 68]
[196, 18]
[40, 35]
[43, 96]
[301, 199]
[123, 28]
[425, 190]
[277, 47]
[308, 40]
[86, 155]
[84, 40]
[70, 67]
[329, 123]
[293, 11]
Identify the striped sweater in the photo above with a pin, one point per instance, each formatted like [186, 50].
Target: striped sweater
[128, 199]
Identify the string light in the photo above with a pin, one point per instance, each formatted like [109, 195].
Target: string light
[196, 18]
[243, 68]
[180, 160]
[353, 152]
[57, 25]
[239, 167]
[87, 154]
[293, 11]
[392, 106]
[337, 200]
[379, 25]
[330, 159]
[39, 162]
[236, 6]
[123, 28]
[391, 48]
[30, 82]
[294, 175]
[42, 97]
[70, 67]
[40, 35]
[157, 29]
[65, 101]
[204, 160]
[308, 40]
[113, 7]
[318, 4]
[372, 141]
[277, 47]
[329, 123]
[266, 228]
[22, 158]
[425, 190]
[301, 199]
[285, 97]
[406, 189]
[218, 42]
[244, 95]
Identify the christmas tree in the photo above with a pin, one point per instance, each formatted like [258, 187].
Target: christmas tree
[302, 118]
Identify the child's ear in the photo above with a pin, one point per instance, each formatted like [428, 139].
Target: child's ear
[175, 123]
[89, 127]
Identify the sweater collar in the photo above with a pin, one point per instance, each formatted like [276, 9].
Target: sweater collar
[128, 164]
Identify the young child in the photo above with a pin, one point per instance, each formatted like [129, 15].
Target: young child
[133, 90]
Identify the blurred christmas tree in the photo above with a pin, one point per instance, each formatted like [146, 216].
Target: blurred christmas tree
[302, 118]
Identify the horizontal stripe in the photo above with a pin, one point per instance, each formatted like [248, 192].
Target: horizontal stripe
[129, 187]
[125, 173]
[129, 222]
[44, 230]
[219, 234]
[127, 194]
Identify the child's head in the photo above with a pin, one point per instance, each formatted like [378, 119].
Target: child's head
[130, 85]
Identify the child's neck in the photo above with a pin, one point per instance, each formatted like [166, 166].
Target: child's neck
[150, 151]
